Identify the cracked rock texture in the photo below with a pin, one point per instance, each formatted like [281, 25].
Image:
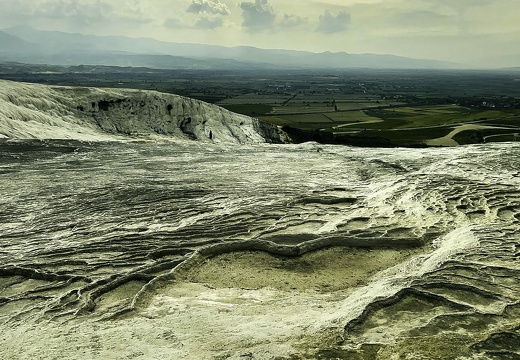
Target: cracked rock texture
[205, 250]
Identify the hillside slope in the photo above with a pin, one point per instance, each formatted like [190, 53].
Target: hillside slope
[30, 111]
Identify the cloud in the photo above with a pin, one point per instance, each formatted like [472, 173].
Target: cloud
[208, 7]
[330, 24]
[211, 13]
[131, 11]
[257, 15]
[293, 21]
[77, 13]
[82, 12]
[209, 22]
[204, 22]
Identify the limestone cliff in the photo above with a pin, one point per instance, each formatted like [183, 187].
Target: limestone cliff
[53, 112]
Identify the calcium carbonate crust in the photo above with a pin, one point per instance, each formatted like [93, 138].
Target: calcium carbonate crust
[33, 111]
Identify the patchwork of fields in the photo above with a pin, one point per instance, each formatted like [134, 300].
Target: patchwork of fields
[400, 123]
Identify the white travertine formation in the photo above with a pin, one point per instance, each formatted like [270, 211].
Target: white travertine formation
[32, 111]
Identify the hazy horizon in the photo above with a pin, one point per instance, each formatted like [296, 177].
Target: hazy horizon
[471, 32]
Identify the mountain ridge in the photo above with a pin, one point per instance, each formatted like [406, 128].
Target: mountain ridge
[61, 46]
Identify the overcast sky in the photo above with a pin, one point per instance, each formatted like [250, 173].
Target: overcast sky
[454, 30]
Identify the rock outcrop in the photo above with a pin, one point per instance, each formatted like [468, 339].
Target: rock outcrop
[33, 111]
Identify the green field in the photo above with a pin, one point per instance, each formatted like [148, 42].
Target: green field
[249, 109]
[410, 117]
[406, 125]
[487, 135]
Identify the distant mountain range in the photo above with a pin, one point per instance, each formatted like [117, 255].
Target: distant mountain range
[25, 44]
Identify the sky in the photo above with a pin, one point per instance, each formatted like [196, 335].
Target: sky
[453, 30]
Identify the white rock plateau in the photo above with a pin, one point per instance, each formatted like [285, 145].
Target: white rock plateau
[33, 111]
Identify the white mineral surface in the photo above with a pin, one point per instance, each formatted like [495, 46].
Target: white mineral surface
[216, 250]
[32, 111]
